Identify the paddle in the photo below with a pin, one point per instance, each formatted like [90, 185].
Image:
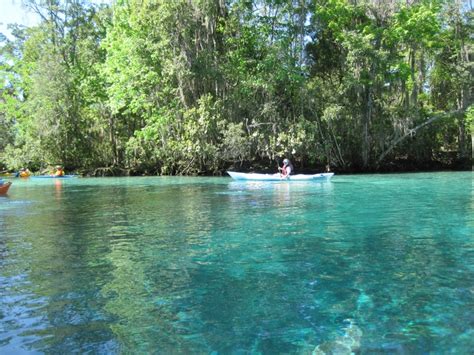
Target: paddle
[278, 167]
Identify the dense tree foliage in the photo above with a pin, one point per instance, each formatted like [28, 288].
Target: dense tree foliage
[197, 86]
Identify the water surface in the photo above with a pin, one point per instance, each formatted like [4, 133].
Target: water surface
[378, 263]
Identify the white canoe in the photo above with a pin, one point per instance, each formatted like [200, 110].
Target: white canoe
[277, 177]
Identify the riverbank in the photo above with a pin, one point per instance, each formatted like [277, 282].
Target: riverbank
[445, 162]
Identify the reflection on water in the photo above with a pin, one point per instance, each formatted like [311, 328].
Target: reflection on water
[375, 264]
[58, 186]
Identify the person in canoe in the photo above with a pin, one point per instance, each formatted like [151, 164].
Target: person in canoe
[59, 171]
[287, 169]
[23, 172]
[4, 186]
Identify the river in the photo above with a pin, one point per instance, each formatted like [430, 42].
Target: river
[366, 263]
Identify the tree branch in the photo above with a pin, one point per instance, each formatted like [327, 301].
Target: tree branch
[412, 132]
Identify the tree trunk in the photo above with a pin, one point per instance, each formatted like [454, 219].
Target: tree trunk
[365, 134]
[414, 91]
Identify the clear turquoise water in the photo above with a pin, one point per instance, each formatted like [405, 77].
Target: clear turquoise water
[379, 263]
